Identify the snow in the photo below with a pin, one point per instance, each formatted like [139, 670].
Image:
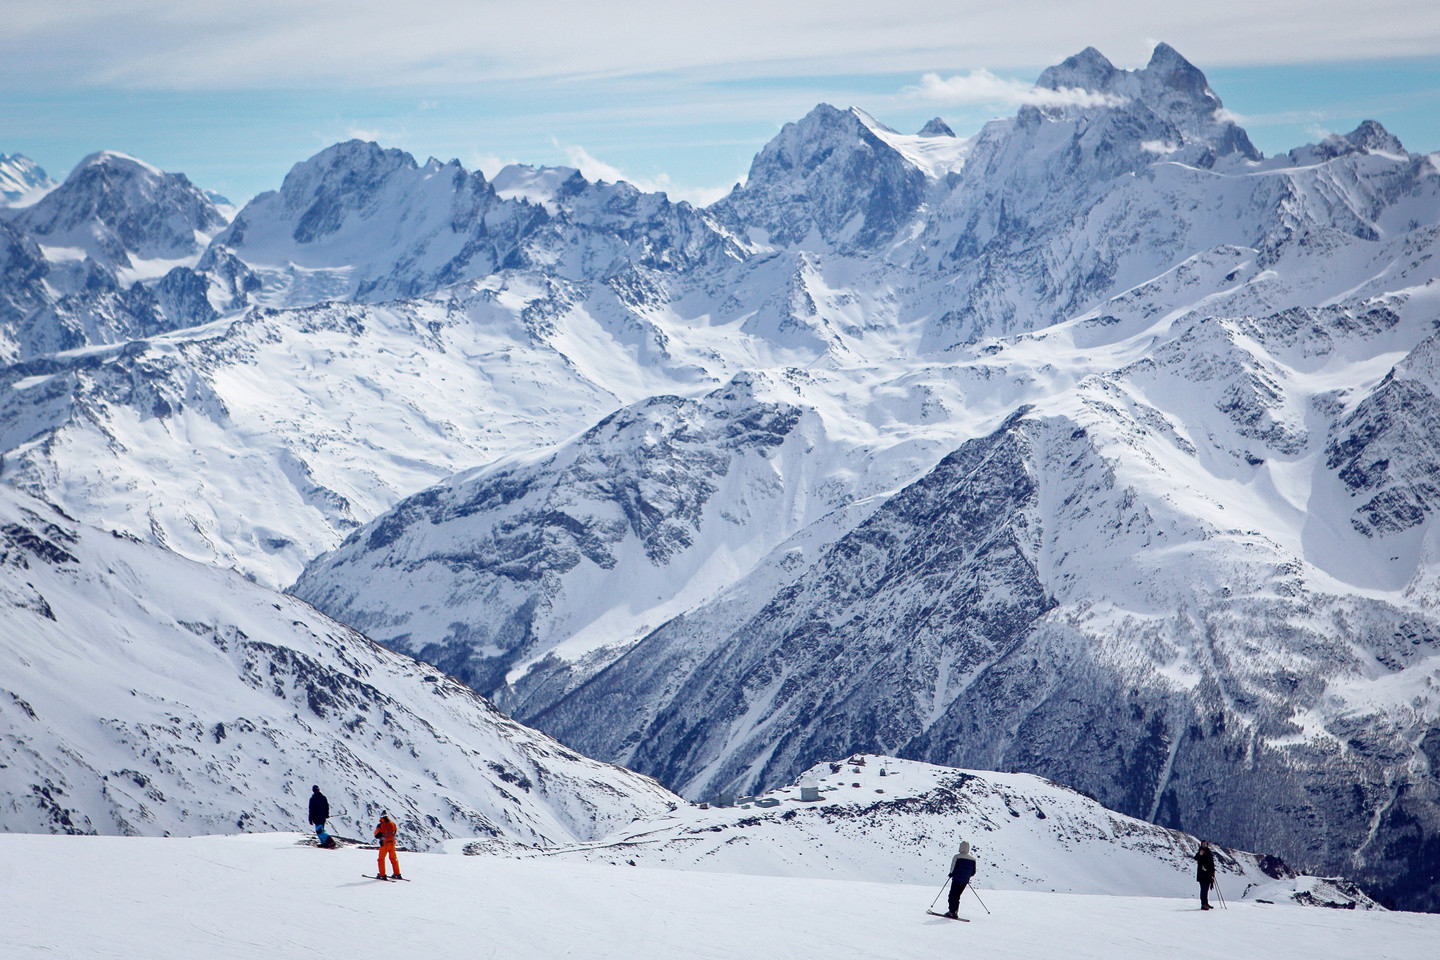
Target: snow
[936, 156]
[535, 184]
[145, 694]
[22, 182]
[1213, 351]
[262, 896]
[882, 819]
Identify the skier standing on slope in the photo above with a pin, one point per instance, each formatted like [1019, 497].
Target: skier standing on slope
[962, 868]
[1205, 873]
[385, 833]
[319, 813]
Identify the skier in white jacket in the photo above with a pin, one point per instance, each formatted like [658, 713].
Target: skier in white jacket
[962, 868]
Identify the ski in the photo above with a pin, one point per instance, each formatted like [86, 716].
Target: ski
[943, 916]
[371, 876]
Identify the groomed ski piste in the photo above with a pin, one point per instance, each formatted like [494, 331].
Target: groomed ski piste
[851, 874]
[266, 897]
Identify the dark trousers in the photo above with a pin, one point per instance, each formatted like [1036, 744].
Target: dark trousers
[957, 887]
[1205, 894]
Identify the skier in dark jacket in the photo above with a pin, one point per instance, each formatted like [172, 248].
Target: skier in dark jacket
[962, 868]
[319, 813]
[1205, 872]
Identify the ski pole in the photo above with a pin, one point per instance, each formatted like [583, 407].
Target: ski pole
[1218, 893]
[972, 889]
[937, 896]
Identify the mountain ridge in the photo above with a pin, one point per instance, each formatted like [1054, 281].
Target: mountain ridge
[1222, 361]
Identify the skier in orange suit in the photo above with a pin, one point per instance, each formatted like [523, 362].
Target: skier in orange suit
[385, 833]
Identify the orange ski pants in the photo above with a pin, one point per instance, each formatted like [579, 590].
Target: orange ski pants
[380, 860]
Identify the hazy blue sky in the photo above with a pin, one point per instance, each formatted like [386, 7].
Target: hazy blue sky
[672, 95]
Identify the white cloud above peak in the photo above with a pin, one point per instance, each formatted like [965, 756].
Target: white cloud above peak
[983, 88]
[592, 168]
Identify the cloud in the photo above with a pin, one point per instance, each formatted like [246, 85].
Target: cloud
[593, 168]
[247, 44]
[983, 88]
[1308, 120]
[590, 167]
[490, 164]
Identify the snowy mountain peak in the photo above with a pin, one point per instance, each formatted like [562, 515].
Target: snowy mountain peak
[1368, 138]
[870, 122]
[832, 177]
[1371, 137]
[113, 207]
[361, 221]
[1087, 70]
[1169, 87]
[936, 128]
[353, 155]
[536, 184]
[802, 146]
[341, 178]
[1176, 89]
[22, 182]
[105, 257]
[1168, 67]
[121, 163]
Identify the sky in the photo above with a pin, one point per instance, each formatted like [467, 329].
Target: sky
[670, 95]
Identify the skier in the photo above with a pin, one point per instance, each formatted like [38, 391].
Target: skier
[385, 833]
[319, 813]
[1205, 873]
[962, 868]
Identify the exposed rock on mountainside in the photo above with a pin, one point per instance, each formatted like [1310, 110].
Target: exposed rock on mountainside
[84, 253]
[360, 222]
[1094, 444]
[1024, 606]
[831, 173]
[484, 567]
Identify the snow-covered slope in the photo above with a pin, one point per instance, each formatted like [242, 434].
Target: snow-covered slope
[899, 821]
[144, 695]
[1059, 597]
[265, 897]
[360, 222]
[122, 212]
[260, 442]
[106, 257]
[22, 181]
[837, 177]
[593, 544]
[1212, 520]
